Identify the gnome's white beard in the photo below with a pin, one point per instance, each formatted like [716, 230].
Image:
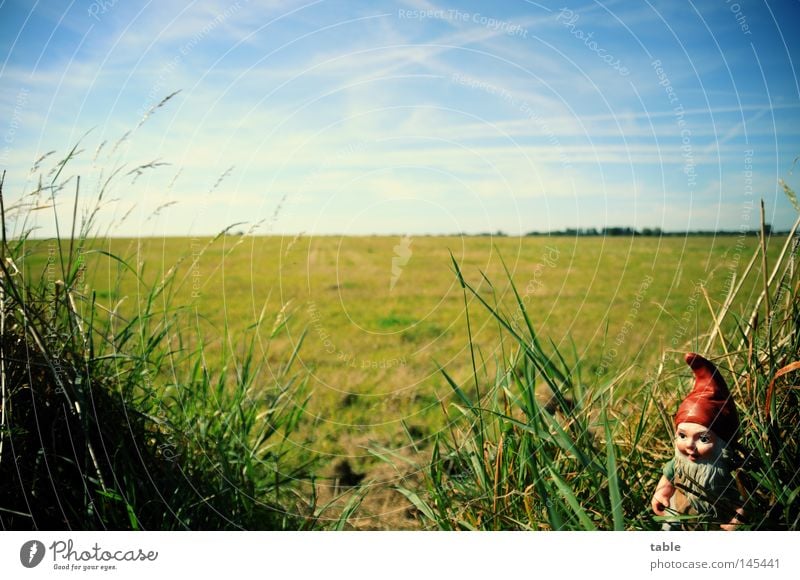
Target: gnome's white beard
[709, 481]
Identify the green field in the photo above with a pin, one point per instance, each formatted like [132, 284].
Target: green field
[375, 338]
[373, 352]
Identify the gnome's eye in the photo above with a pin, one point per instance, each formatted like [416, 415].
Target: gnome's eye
[681, 435]
[705, 438]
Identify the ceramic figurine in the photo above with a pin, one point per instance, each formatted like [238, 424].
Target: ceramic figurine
[698, 481]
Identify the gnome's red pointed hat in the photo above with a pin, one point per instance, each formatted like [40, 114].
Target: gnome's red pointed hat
[709, 403]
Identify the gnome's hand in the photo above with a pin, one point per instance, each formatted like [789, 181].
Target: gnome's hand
[664, 491]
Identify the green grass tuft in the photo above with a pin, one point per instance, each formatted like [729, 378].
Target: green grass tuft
[114, 420]
[540, 446]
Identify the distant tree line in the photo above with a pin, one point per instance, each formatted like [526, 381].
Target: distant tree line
[649, 232]
[618, 231]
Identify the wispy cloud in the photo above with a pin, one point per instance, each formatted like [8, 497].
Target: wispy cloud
[365, 105]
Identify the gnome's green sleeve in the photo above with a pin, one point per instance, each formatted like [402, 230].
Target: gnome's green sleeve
[669, 470]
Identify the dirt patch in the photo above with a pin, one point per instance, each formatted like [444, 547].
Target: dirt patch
[382, 506]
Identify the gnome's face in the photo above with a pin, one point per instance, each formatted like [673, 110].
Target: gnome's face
[702, 466]
[696, 442]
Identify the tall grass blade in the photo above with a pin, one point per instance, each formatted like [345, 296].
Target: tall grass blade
[572, 501]
[613, 481]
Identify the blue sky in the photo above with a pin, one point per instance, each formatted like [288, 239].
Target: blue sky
[406, 117]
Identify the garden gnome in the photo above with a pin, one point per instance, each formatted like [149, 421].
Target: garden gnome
[698, 480]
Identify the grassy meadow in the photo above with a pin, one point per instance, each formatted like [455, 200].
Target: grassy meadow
[374, 351]
[372, 341]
